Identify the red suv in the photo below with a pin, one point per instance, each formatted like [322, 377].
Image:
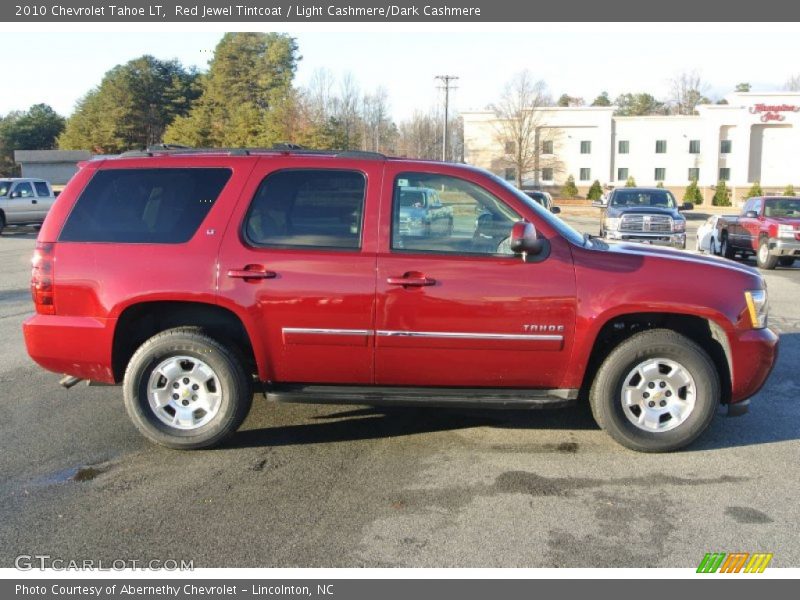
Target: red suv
[194, 277]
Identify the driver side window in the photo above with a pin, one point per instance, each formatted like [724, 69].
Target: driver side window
[442, 214]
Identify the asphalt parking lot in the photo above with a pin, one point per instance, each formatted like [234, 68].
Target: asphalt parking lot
[309, 486]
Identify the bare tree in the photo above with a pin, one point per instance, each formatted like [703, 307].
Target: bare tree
[346, 109]
[379, 130]
[793, 83]
[520, 125]
[687, 90]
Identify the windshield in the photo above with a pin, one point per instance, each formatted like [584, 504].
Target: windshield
[782, 207]
[565, 230]
[655, 198]
[413, 198]
[4, 187]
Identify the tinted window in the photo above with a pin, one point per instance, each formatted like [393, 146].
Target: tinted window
[467, 219]
[24, 190]
[164, 206]
[782, 207]
[5, 187]
[41, 188]
[308, 208]
[628, 198]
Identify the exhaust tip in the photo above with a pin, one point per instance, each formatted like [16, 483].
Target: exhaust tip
[69, 381]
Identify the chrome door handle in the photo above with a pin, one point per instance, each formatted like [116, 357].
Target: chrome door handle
[412, 280]
[252, 273]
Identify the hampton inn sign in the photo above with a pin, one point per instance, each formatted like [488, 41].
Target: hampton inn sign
[754, 137]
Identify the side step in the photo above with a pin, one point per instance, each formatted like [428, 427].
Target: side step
[421, 396]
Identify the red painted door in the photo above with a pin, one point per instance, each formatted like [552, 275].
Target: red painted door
[456, 308]
[299, 259]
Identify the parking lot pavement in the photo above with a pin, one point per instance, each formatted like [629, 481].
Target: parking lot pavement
[351, 486]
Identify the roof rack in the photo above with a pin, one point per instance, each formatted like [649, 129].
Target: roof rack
[285, 148]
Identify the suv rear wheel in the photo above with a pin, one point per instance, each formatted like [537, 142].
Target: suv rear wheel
[184, 389]
[656, 392]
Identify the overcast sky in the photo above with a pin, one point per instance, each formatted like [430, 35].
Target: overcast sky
[58, 68]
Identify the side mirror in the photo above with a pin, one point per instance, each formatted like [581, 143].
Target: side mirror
[14, 195]
[555, 210]
[598, 204]
[524, 239]
[687, 206]
[751, 214]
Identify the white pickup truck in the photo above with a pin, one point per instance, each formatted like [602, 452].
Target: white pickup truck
[24, 201]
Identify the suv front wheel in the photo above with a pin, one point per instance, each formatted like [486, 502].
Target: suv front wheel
[656, 392]
[185, 390]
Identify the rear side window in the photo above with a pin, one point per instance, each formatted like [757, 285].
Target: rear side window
[307, 208]
[158, 206]
[41, 188]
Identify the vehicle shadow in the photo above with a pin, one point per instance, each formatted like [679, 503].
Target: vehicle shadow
[346, 424]
[773, 418]
[20, 233]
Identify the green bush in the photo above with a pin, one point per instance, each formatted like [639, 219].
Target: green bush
[570, 190]
[596, 191]
[789, 191]
[630, 182]
[693, 193]
[722, 195]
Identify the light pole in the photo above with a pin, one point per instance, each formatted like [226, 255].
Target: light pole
[446, 86]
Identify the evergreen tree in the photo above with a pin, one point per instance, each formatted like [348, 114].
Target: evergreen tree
[789, 191]
[570, 190]
[660, 184]
[247, 96]
[754, 191]
[693, 193]
[722, 195]
[596, 191]
[630, 181]
[34, 129]
[131, 107]
[602, 100]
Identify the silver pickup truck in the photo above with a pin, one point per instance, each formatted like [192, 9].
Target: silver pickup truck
[24, 201]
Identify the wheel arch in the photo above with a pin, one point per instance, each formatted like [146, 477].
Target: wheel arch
[140, 321]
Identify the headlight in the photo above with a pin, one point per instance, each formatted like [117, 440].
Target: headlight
[757, 307]
[611, 223]
[679, 226]
[786, 231]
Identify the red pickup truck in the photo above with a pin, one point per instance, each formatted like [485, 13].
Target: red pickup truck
[768, 227]
[195, 277]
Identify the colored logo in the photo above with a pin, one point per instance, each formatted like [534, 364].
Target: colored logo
[735, 562]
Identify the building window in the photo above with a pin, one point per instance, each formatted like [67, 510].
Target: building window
[725, 146]
[623, 147]
[511, 147]
[661, 174]
[661, 146]
[547, 147]
[586, 147]
[694, 146]
[622, 174]
[586, 174]
[510, 174]
[694, 173]
[547, 174]
[725, 174]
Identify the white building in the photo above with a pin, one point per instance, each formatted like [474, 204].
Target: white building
[755, 137]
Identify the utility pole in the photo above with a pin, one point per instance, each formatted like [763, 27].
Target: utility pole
[446, 86]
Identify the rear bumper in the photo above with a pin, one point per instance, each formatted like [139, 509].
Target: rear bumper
[674, 240]
[780, 247]
[78, 346]
[754, 354]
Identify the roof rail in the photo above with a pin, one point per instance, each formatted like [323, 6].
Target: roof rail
[284, 148]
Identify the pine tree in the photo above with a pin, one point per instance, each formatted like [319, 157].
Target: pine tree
[722, 196]
[630, 182]
[789, 191]
[570, 190]
[596, 191]
[755, 191]
[693, 193]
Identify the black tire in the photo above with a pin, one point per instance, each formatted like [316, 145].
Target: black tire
[786, 261]
[606, 393]
[764, 259]
[2, 222]
[236, 392]
[725, 248]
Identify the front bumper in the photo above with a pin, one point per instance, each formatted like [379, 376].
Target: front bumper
[675, 240]
[754, 352]
[784, 247]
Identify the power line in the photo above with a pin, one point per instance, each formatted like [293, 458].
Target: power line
[446, 86]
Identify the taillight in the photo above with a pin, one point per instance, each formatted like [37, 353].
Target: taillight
[42, 287]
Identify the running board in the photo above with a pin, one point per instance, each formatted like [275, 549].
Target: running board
[420, 396]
